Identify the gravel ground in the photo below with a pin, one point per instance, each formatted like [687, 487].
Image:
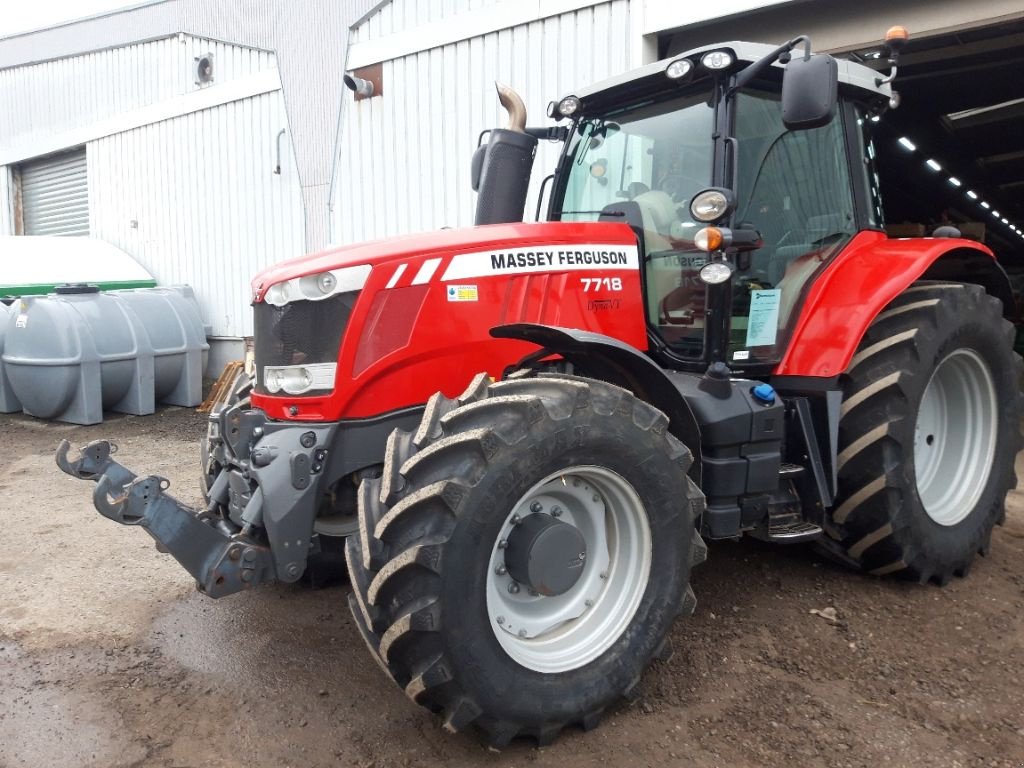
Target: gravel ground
[109, 658]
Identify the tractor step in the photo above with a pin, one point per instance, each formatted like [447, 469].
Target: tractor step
[790, 470]
[793, 533]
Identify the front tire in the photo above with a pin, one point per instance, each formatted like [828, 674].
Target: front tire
[928, 434]
[433, 598]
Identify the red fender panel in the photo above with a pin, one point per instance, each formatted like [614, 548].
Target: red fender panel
[869, 273]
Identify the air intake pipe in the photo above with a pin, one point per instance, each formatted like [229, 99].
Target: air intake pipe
[501, 167]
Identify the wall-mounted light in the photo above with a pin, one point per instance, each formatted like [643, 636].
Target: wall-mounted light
[358, 85]
[365, 82]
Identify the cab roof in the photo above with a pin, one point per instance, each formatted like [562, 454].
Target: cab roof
[651, 78]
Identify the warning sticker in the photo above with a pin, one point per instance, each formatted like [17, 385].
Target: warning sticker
[763, 325]
[462, 293]
[21, 321]
[741, 354]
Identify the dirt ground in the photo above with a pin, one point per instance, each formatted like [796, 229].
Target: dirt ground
[108, 657]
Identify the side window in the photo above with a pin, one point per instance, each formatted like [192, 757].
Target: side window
[794, 188]
[865, 149]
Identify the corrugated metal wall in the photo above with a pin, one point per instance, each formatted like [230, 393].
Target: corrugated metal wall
[400, 15]
[195, 200]
[84, 89]
[309, 39]
[404, 157]
[156, 19]
[6, 201]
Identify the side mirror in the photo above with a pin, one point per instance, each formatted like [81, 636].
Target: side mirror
[809, 92]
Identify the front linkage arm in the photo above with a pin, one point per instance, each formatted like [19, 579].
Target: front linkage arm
[221, 562]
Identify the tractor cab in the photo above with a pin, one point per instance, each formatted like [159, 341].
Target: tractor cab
[706, 158]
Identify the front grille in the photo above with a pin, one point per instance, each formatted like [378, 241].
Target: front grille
[302, 332]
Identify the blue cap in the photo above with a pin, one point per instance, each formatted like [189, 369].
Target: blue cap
[764, 393]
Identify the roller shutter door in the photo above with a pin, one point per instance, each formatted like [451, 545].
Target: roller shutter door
[55, 195]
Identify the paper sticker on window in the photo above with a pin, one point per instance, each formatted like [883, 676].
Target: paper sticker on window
[763, 325]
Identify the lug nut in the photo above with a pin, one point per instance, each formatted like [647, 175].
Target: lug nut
[516, 520]
[583, 555]
[502, 544]
[596, 498]
[501, 620]
[501, 570]
[589, 603]
[556, 511]
[536, 507]
[522, 633]
[604, 574]
[513, 588]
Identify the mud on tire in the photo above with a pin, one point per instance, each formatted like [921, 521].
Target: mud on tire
[430, 525]
[928, 434]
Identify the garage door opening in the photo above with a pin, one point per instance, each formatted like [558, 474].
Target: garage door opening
[953, 152]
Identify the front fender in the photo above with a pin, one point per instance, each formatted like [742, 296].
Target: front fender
[608, 359]
[868, 274]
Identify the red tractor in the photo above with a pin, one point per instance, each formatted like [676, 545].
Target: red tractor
[711, 335]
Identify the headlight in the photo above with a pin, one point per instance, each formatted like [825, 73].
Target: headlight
[717, 60]
[569, 106]
[318, 287]
[711, 204]
[298, 379]
[678, 69]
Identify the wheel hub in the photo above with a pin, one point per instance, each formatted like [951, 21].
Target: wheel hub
[955, 436]
[569, 567]
[546, 554]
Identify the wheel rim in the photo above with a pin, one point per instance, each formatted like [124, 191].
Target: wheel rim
[567, 631]
[955, 437]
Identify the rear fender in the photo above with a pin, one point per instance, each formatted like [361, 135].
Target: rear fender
[868, 274]
[608, 359]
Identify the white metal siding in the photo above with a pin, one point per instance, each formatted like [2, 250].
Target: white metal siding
[6, 201]
[55, 195]
[401, 15]
[195, 199]
[309, 39]
[88, 88]
[404, 157]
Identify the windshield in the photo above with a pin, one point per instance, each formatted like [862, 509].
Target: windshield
[660, 148]
[657, 156]
[793, 187]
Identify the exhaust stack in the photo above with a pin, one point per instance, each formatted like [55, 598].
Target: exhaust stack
[501, 167]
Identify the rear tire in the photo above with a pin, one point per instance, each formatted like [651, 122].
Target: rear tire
[435, 610]
[928, 434]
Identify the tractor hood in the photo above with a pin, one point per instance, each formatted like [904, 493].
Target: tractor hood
[436, 248]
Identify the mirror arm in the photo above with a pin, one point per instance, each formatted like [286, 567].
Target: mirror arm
[549, 133]
[763, 63]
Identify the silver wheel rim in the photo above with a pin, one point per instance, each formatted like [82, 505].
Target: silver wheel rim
[567, 631]
[955, 437]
